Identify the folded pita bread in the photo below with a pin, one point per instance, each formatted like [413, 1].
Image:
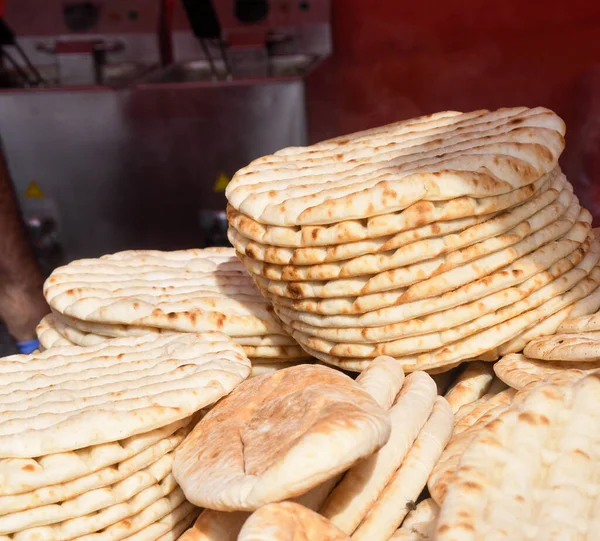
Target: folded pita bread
[272, 439]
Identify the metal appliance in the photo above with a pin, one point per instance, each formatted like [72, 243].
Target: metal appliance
[133, 142]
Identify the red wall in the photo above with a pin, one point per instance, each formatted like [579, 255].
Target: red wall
[396, 59]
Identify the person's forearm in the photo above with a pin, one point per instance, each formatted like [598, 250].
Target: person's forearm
[21, 300]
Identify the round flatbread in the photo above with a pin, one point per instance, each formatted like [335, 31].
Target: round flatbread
[469, 420]
[499, 232]
[170, 527]
[89, 502]
[362, 485]
[115, 522]
[71, 397]
[104, 477]
[21, 476]
[471, 385]
[480, 154]
[565, 347]
[185, 291]
[326, 281]
[410, 246]
[48, 335]
[581, 324]
[520, 372]
[390, 509]
[388, 307]
[425, 218]
[248, 450]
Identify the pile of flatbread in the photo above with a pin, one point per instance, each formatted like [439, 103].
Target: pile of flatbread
[396, 253]
[136, 293]
[566, 356]
[351, 457]
[435, 240]
[88, 435]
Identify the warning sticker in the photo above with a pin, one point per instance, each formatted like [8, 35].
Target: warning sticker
[221, 183]
[34, 191]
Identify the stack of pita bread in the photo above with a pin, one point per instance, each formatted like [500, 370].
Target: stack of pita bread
[136, 293]
[88, 435]
[564, 357]
[349, 455]
[434, 240]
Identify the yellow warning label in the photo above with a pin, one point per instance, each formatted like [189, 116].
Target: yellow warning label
[221, 183]
[34, 191]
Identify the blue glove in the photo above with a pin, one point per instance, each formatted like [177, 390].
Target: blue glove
[28, 346]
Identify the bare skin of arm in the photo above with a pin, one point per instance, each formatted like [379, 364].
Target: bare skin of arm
[22, 303]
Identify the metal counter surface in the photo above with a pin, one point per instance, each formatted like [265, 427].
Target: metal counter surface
[133, 168]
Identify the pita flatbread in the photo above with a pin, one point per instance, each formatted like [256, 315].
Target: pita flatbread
[384, 518]
[431, 341]
[363, 484]
[436, 321]
[449, 280]
[222, 526]
[113, 523]
[364, 276]
[382, 379]
[263, 347]
[471, 385]
[48, 335]
[170, 527]
[272, 438]
[426, 218]
[582, 324]
[186, 291]
[514, 149]
[387, 307]
[23, 475]
[392, 251]
[546, 488]
[567, 290]
[216, 526]
[69, 398]
[444, 319]
[85, 333]
[109, 475]
[289, 521]
[311, 255]
[520, 372]
[470, 419]
[565, 347]
[89, 502]
[586, 306]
